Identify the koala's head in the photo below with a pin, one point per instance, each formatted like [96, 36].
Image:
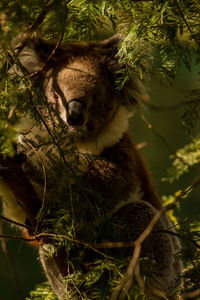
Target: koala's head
[79, 81]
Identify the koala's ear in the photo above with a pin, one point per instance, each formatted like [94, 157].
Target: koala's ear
[35, 53]
[113, 42]
[134, 90]
[110, 47]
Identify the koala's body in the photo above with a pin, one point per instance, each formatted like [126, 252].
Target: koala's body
[116, 188]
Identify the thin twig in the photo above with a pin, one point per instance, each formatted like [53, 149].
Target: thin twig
[164, 108]
[191, 294]
[38, 218]
[185, 21]
[35, 74]
[17, 237]
[53, 235]
[108, 244]
[54, 138]
[90, 246]
[165, 142]
[13, 222]
[158, 134]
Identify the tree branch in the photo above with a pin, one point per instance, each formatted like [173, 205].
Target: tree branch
[16, 237]
[191, 294]
[13, 222]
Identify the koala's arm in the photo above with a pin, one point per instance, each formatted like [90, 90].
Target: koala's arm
[18, 196]
[162, 246]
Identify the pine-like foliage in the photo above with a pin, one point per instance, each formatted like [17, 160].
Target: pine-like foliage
[162, 33]
[168, 30]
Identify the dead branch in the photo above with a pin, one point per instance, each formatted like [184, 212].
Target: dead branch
[191, 294]
[164, 108]
[13, 222]
[138, 276]
[16, 237]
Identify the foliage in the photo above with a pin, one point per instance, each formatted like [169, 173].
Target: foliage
[42, 292]
[167, 30]
[190, 235]
[191, 117]
[94, 282]
[184, 160]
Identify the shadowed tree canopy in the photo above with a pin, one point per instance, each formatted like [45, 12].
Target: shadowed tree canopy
[158, 38]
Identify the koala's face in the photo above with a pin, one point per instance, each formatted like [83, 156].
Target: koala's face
[82, 93]
[79, 82]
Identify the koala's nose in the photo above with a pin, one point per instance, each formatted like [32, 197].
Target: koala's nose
[75, 113]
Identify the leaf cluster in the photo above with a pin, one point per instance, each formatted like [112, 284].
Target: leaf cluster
[42, 292]
[184, 160]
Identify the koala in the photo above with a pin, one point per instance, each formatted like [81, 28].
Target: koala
[94, 171]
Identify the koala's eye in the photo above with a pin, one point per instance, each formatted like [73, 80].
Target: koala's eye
[55, 96]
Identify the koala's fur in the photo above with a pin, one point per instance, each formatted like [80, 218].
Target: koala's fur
[88, 71]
